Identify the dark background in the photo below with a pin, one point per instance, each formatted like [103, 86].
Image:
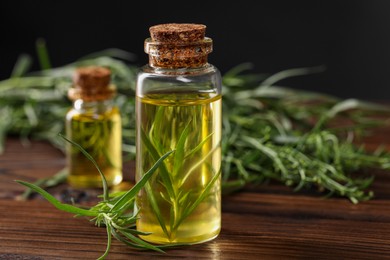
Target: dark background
[352, 38]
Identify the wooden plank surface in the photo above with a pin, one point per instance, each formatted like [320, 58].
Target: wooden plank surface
[264, 222]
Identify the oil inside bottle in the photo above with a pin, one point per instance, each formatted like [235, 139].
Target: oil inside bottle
[100, 135]
[181, 202]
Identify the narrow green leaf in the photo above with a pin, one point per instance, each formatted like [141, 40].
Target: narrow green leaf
[29, 191]
[31, 114]
[198, 147]
[179, 151]
[109, 229]
[132, 244]
[3, 134]
[22, 65]
[58, 204]
[26, 82]
[138, 186]
[229, 187]
[267, 151]
[43, 54]
[194, 205]
[54, 180]
[154, 133]
[165, 176]
[141, 242]
[199, 163]
[236, 70]
[156, 209]
[104, 181]
[291, 73]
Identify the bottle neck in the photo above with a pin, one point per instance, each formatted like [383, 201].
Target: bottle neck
[193, 71]
[170, 55]
[96, 107]
[91, 92]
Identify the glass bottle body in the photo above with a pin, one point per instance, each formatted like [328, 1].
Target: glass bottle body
[179, 110]
[96, 126]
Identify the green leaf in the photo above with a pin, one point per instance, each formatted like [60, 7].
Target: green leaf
[346, 105]
[58, 204]
[199, 163]
[198, 147]
[267, 151]
[179, 151]
[236, 70]
[58, 178]
[42, 53]
[138, 186]
[194, 205]
[164, 174]
[104, 181]
[26, 82]
[135, 245]
[291, 73]
[156, 209]
[22, 65]
[109, 230]
[141, 242]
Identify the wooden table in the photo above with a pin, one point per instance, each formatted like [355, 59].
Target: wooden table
[264, 222]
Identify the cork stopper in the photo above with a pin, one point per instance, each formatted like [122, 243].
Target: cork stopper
[92, 84]
[176, 45]
[178, 33]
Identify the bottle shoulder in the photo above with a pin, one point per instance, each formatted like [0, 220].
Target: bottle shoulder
[194, 80]
[93, 111]
[186, 72]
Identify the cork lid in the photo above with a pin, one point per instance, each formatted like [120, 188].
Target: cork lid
[91, 84]
[177, 32]
[178, 45]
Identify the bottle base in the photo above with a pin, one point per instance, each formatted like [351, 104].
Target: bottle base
[181, 240]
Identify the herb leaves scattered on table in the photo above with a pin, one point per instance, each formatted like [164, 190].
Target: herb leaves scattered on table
[269, 131]
[273, 132]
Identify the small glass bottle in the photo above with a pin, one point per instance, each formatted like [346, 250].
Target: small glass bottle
[178, 107]
[94, 122]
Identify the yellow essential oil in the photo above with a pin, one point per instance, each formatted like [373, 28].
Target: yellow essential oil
[178, 108]
[195, 121]
[95, 124]
[100, 136]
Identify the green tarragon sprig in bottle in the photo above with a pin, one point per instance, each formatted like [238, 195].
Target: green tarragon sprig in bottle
[178, 106]
[94, 122]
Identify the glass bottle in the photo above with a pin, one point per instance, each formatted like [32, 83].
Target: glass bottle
[94, 122]
[178, 107]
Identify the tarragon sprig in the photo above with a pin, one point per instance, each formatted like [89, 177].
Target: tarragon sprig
[115, 211]
[274, 132]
